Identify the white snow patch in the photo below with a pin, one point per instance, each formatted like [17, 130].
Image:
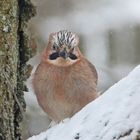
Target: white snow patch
[112, 115]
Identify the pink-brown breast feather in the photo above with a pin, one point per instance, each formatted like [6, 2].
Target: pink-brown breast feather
[70, 87]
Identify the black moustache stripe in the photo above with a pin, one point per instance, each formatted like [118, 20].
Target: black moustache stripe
[53, 56]
[72, 56]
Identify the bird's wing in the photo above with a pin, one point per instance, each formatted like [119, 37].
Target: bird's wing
[92, 67]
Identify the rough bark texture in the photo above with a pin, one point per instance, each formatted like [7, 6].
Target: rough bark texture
[14, 53]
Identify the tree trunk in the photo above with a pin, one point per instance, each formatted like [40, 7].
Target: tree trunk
[14, 53]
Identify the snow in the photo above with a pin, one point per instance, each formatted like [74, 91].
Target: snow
[114, 115]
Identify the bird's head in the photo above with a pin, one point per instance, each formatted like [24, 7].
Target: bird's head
[63, 48]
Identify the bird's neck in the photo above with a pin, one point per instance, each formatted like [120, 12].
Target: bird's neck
[62, 62]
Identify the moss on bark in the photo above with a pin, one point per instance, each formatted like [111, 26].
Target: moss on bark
[14, 53]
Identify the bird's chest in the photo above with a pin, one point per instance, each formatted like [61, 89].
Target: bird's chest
[57, 93]
[59, 81]
[61, 91]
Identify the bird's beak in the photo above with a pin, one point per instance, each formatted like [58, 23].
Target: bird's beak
[64, 54]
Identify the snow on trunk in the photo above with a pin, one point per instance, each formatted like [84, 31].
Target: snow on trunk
[115, 115]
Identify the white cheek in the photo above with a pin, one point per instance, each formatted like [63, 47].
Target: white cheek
[62, 62]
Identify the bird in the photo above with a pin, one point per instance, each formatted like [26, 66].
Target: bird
[64, 81]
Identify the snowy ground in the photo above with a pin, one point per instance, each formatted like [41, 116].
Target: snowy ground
[114, 115]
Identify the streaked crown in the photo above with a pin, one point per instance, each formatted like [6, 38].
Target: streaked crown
[66, 38]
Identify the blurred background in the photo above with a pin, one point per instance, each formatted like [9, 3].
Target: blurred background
[109, 32]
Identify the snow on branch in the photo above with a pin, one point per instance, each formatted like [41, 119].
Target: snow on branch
[115, 115]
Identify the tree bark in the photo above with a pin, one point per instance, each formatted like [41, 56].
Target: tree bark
[14, 53]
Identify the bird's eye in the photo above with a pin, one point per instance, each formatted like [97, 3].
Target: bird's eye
[54, 47]
[54, 56]
[72, 56]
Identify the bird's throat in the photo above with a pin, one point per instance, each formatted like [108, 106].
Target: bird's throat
[62, 62]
